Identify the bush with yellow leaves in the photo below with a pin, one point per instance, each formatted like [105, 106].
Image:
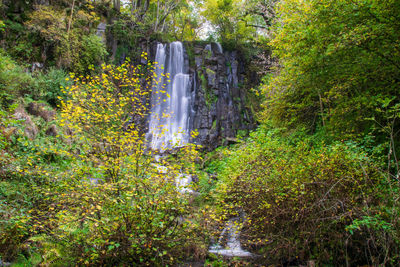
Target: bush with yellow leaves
[114, 203]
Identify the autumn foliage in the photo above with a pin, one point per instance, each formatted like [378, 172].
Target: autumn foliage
[111, 202]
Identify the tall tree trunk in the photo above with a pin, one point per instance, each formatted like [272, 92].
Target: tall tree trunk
[138, 6]
[70, 18]
[157, 15]
[114, 49]
[146, 6]
[321, 106]
[133, 4]
[117, 5]
[68, 30]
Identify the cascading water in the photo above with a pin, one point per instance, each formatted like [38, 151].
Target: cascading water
[169, 118]
[208, 47]
[233, 247]
[171, 109]
[219, 48]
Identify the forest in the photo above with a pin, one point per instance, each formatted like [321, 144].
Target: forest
[199, 133]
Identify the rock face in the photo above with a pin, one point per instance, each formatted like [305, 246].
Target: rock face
[217, 86]
[219, 110]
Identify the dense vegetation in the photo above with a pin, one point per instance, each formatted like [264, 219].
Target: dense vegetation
[316, 183]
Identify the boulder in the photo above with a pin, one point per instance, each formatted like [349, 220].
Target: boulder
[31, 130]
[52, 130]
[40, 109]
[10, 131]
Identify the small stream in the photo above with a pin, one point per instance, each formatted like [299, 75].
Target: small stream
[233, 247]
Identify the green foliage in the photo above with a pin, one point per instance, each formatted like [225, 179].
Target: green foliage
[14, 81]
[69, 36]
[303, 201]
[14, 219]
[223, 14]
[90, 51]
[19, 42]
[51, 84]
[186, 23]
[2, 26]
[338, 58]
[94, 195]
[236, 23]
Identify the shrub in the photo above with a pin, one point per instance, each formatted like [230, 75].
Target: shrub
[52, 83]
[93, 52]
[114, 204]
[302, 200]
[14, 220]
[14, 81]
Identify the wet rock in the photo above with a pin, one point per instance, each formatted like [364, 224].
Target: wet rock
[4, 263]
[101, 31]
[218, 97]
[198, 61]
[36, 66]
[219, 102]
[211, 77]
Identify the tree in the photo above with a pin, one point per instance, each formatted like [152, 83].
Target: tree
[116, 203]
[236, 22]
[100, 109]
[338, 58]
[186, 23]
[68, 35]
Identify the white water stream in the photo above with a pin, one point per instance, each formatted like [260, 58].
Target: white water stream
[170, 112]
[169, 118]
[233, 247]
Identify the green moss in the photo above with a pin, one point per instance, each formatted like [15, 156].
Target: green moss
[210, 71]
[208, 55]
[214, 125]
[190, 52]
[209, 96]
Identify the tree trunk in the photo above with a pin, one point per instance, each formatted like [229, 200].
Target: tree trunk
[321, 106]
[117, 5]
[157, 14]
[114, 48]
[68, 30]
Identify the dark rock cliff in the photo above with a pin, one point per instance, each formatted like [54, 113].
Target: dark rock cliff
[218, 93]
[219, 110]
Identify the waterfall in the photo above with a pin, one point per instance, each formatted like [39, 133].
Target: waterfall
[182, 182]
[169, 118]
[233, 247]
[219, 48]
[209, 48]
